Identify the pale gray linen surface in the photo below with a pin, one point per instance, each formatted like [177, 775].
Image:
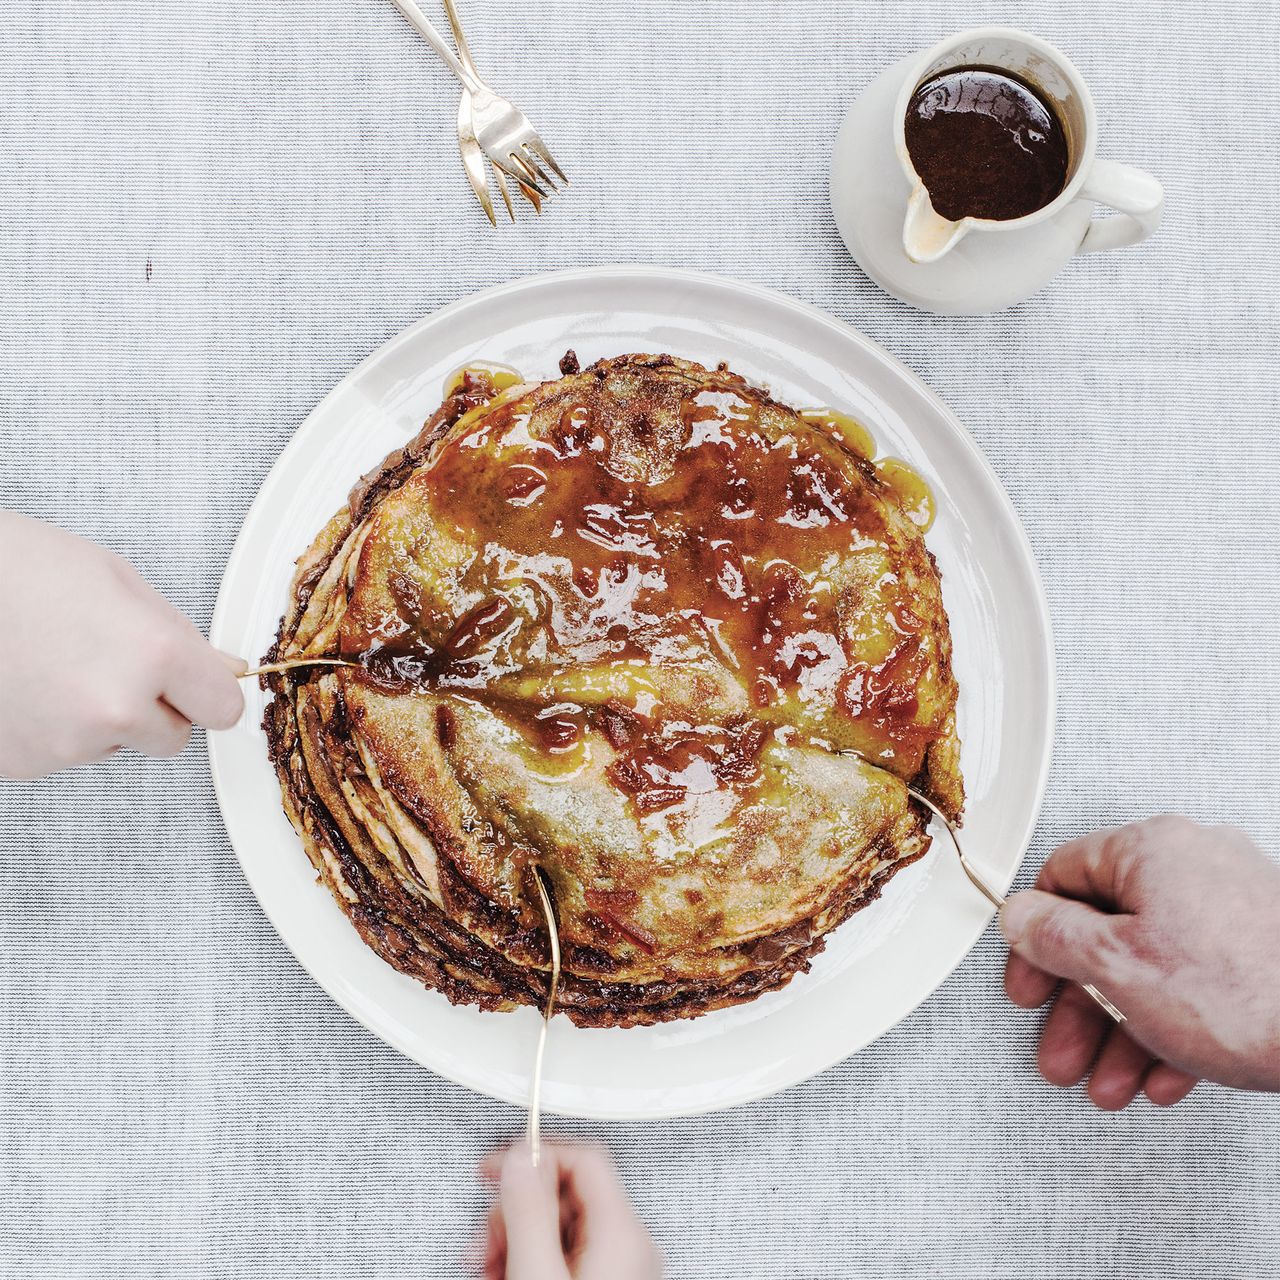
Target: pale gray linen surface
[210, 211]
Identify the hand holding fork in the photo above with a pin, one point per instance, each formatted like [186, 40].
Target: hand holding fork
[489, 127]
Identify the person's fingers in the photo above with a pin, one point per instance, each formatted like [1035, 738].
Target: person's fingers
[1024, 984]
[605, 1236]
[198, 682]
[1166, 1085]
[236, 664]
[1119, 1072]
[195, 678]
[1072, 1036]
[1090, 869]
[596, 1183]
[495, 1246]
[1105, 868]
[158, 731]
[595, 1219]
[530, 1202]
[1061, 937]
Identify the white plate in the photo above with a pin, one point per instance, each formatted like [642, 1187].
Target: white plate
[928, 918]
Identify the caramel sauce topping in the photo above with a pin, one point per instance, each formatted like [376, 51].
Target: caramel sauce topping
[481, 372]
[610, 542]
[912, 491]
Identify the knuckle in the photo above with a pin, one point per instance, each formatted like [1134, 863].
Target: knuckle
[1111, 955]
[162, 646]
[1133, 840]
[1166, 828]
[1142, 945]
[591, 1153]
[1151, 841]
[115, 716]
[1051, 931]
[175, 744]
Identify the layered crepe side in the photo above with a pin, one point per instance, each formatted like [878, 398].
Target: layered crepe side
[424, 808]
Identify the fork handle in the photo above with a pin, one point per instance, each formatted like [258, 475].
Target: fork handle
[455, 22]
[423, 26]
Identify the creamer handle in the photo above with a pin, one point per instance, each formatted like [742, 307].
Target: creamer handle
[1137, 198]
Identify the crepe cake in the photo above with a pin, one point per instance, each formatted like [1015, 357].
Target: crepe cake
[620, 625]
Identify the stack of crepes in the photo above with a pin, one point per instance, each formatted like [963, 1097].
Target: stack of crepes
[641, 627]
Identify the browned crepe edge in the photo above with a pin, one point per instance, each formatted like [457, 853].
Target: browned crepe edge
[419, 939]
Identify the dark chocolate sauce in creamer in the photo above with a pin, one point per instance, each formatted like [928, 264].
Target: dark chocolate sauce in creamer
[985, 144]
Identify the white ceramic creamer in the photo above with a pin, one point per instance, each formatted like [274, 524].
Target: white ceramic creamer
[977, 265]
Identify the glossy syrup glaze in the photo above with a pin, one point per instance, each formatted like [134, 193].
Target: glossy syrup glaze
[600, 551]
[482, 373]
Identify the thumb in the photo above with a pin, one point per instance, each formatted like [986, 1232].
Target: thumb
[530, 1202]
[1062, 937]
[232, 660]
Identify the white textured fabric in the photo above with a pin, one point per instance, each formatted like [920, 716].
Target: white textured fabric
[210, 211]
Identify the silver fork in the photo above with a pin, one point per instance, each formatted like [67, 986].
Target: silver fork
[501, 133]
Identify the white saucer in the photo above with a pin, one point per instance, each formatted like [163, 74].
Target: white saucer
[869, 194]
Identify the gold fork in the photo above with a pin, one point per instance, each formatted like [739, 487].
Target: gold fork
[468, 147]
[500, 132]
[976, 879]
[998, 900]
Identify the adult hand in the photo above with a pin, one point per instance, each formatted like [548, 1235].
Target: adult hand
[92, 659]
[568, 1219]
[1179, 925]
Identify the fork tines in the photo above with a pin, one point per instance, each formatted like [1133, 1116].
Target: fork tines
[511, 144]
[533, 166]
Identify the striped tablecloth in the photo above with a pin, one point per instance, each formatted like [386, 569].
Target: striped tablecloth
[210, 211]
